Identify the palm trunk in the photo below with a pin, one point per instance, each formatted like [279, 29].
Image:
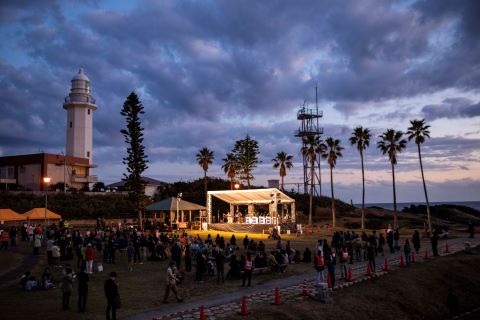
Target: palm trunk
[394, 199]
[334, 220]
[231, 183]
[205, 184]
[282, 184]
[319, 176]
[425, 190]
[363, 191]
[312, 183]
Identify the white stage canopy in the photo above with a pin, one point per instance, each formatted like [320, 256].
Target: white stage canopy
[272, 196]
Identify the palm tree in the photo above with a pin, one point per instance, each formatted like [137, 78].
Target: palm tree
[361, 138]
[230, 167]
[284, 162]
[391, 143]
[205, 158]
[310, 143]
[419, 131]
[332, 152]
[320, 149]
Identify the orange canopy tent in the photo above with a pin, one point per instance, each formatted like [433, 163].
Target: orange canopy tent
[10, 215]
[39, 214]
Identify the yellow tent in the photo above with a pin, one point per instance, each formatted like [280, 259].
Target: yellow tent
[10, 215]
[39, 214]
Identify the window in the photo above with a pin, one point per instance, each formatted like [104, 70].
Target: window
[88, 154]
[22, 169]
[7, 173]
[70, 124]
[89, 111]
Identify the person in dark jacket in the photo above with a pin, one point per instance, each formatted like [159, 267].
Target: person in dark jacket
[220, 264]
[416, 240]
[82, 290]
[201, 264]
[111, 293]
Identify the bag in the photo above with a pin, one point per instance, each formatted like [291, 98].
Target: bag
[99, 267]
[118, 302]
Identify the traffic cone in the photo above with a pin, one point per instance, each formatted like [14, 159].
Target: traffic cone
[244, 308]
[305, 289]
[202, 313]
[278, 300]
[446, 248]
[414, 259]
[385, 265]
[426, 254]
[402, 263]
[329, 281]
[349, 276]
[369, 270]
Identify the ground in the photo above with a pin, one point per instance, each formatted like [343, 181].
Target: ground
[143, 288]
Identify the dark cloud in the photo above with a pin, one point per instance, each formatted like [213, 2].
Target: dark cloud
[452, 108]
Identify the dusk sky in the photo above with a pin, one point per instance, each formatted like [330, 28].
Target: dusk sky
[209, 72]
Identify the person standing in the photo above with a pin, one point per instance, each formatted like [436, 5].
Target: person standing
[343, 262]
[82, 290]
[245, 242]
[50, 250]
[471, 229]
[319, 263]
[4, 239]
[111, 293]
[416, 241]
[220, 264]
[130, 254]
[67, 286]
[330, 260]
[371, 256]
[247, 270]
[201, 262]
[434, 240]
[89, 254]
[171, 283]
[13, 236]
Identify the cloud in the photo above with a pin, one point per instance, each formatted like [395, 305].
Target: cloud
[452, 108]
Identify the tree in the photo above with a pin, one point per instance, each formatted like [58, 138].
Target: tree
[332, 152]
[205, 158]
[136, 159]
[310, 144]
[284, 162]
[361, 138]
[419, 131]
[99, 187]
[246, 152]
[230, 168]
[391, 143]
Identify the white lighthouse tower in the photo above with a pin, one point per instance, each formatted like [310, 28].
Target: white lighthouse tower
[80, 106]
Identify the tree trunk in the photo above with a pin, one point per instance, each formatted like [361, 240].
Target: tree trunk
[282, 184]
[205, 184]
[394, 198]
[139, 213]
[319, 177]
[231, 183]
[363, 190]
[334, 222]
[425, 190]
[312, 183]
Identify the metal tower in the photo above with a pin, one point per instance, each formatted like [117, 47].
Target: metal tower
[309, 127]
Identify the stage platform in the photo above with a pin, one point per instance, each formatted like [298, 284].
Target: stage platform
[240, 227]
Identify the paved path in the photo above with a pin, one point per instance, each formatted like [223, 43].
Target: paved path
[223, 305]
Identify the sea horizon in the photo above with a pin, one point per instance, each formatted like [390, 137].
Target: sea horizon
[401, 205]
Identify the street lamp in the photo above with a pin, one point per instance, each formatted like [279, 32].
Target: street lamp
[46, 180]
[179, 196]
[237, 186]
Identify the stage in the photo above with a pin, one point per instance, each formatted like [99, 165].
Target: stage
[240, 227]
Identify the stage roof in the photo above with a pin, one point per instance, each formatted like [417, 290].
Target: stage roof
[251, 196]
[170, 204]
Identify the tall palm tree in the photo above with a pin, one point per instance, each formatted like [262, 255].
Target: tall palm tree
[361, 138]
[284, 162]
[205, 158]
[320, 149]
[391, 143]
[230, 165]
[310, 143]
[419, 131]
[332, 152]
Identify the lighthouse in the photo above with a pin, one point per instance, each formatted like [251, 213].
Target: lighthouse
[80, 106]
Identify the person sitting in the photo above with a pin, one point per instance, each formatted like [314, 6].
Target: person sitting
[260, 261]
[31, 284]
[307, 256]
[282, 260]
[261, 246]
[24, 279]
[272, 262]
[47, 279]
[296, 257]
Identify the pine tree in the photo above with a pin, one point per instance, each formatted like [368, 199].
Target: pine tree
[246, 152]
[136, 159]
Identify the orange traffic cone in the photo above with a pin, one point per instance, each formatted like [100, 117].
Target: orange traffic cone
[244, 308]
[202, 313]
[402, 263]
[446, 248]
[305, 289]
[426, 254]
[278, 300]
[349, 276]
[329, 281]
[414, 259]
[369, 270]
[385, 265]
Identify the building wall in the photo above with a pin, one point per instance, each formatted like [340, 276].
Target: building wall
[30, 176]
[79, 131]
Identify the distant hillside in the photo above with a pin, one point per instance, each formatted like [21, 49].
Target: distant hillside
[448, 212]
